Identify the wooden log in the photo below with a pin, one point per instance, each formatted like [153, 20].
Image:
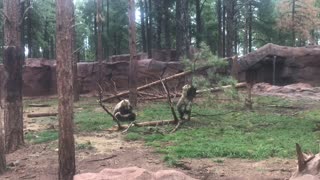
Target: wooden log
[143, 124]
[176, 76]
[34, 115]
[217, 89]
[39, 105]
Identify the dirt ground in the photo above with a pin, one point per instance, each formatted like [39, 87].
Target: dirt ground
[40, 162]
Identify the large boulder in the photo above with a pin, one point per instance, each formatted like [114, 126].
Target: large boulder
[39, 75]
[133, 173]
[308, 166]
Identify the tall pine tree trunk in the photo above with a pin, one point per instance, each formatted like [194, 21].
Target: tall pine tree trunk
[29, 30]
[167, 37]
[75, 59]
[3, 165]
[99, 38]
[45, 53]
[182, 38]
[64, 30]
[230, 27]
[133, 54]
[293, 23]
[149, 27]
[250, 27]
[143, 26]
[12, 63]
[220, 30]
[224, 29]
[199, 23]
[158, 9]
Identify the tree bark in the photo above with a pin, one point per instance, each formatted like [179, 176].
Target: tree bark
[133, 54]
[99, 39]
[167, 37]
[75, 59]
[45, 53]
[64, 30]
[159, 12]
[293, 23]
[12, 62]
[224, 29]
[29, 30]
[230, 11]
[199, 23]
[149, 27]
[143, 26]
[108, 27]
[250, 26]
[3, 165]
[182, 38]
[220, 32]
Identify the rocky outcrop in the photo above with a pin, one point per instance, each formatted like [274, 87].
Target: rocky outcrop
[133, 173]
[281, 65]
[39, 75]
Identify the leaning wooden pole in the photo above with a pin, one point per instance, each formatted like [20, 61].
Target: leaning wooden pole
[12, 85]
[64, 30]
[176, 76]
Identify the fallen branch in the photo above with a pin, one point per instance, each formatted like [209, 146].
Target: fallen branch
[34, 115]
[106, 109]
[39, 105]
[217, 89]
[143, 124]
[157, 82]
[102, 159]
[165, 87]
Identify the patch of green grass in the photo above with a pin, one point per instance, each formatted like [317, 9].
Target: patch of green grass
[84, 146]
[42, 137]
[228, 130]
[90, 120]
[132, 136]
[49, 101]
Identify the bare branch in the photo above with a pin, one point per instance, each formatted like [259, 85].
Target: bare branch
[165, 87]
[105, 108]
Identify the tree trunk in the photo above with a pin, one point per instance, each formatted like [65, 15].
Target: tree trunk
[293, 23]
[199, 23]
[220, 32]
[167, 25]
[22, 9]
[75, 59]
[250, 27]
[29, 30]
[64, 30]
[230, 11]
[99, 39]
[52, 48]
[158, 9]
[3, 165]
[224, 30]
[182, 39]
[45, 53]
[133, 54]
[149, 27]
[108, 30]
[143, 26]
[12, 63]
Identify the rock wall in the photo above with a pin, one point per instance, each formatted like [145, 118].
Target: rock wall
[39, 75]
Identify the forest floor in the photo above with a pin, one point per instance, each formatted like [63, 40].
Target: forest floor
[224, 141]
